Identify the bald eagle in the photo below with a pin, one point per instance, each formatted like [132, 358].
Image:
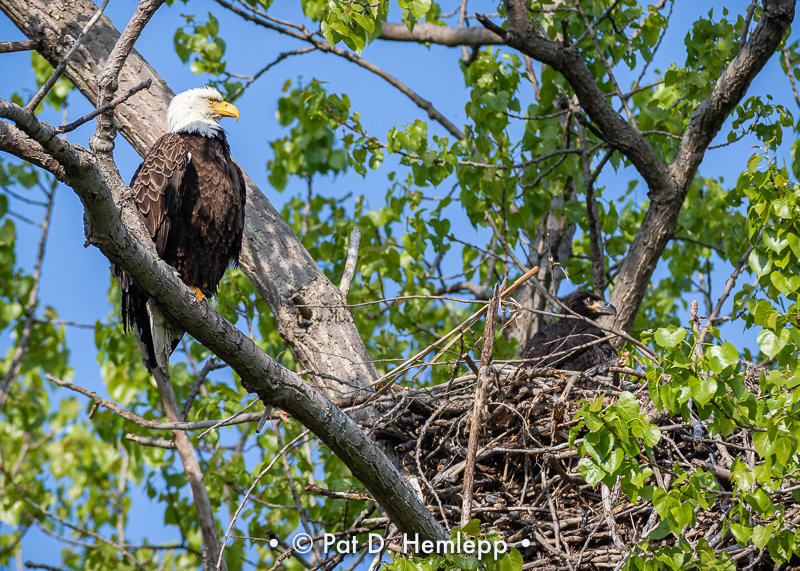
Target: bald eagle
[191, 195]
[564, 336]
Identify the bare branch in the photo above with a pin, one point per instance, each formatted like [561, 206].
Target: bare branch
[351, 263]
[790, 74]
[23, 46]
[211, 365]
[593, 214]
[746, 25]
[484, 378]
[282, 56]
[17, 143]
[728, 288]
[152, 424]
[338, 495]
[602, 56]
[110, 105]
[427, 33]
[154, 442]
[21, 350]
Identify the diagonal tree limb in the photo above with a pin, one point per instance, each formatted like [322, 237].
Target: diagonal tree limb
[51, 81]
[260, 374]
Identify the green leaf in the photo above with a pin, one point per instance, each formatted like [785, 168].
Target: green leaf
[770, 343]
[760, 262]
[669, 338]
[473, 528]
[726, 355]
[702, 390]
[511, 561]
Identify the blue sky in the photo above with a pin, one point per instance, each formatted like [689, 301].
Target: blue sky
[75, 279]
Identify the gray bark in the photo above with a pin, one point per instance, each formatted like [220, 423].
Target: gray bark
[273, 258]
[443, 35]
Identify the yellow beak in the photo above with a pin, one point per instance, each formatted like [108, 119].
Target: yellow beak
[225, 109]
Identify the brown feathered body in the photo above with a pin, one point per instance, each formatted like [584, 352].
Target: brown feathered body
[191, 195]
[562, 344]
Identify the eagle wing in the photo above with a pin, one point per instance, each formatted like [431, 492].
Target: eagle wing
[157, 183]
[566, 336]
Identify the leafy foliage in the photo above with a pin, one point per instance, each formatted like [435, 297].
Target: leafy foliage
[425, 232]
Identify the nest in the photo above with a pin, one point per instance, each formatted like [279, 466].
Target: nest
[527, 485]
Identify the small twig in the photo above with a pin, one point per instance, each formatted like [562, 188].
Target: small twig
[789, 73]
[51, 81]
[603, 59]
[263, 473]
[152, 424]
[484, 378]
[226, 420]
[728, 288]
[211, 365]
[112, 104]
[593, 214]
[23, 46]
[282, 56]
[154, 442]
[338, 495]
[746, 25]
[351, 263]
[32, 303]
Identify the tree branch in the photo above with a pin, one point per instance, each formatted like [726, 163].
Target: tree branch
[51, 81]
[351, 263]
[23, 46]
[443, 35]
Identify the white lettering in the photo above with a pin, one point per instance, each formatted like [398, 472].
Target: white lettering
[484, 547]
[375, 543]
[469, 546]
[502, 544]
[444, 547]
[328, 540]
[407, 544]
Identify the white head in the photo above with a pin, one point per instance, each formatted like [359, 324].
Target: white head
[199, 111]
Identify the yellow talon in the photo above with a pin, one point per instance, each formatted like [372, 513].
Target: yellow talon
[199, 293]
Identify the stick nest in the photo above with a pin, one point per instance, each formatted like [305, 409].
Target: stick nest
[527, 483]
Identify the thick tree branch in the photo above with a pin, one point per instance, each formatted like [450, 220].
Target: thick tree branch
[667, 185]
[260, 374]
[15, 142]
[443, 35]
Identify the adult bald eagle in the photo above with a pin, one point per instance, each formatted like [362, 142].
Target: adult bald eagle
[564, 336]
[191, 195]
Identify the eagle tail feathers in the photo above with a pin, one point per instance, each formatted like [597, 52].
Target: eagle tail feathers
[158, 336]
